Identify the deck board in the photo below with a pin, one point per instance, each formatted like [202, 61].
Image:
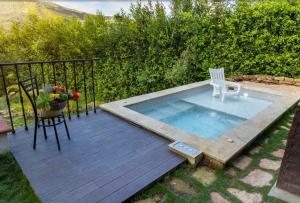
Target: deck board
[107, 160]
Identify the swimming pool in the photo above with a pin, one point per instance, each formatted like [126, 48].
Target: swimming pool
[201, 114]
[191, 115]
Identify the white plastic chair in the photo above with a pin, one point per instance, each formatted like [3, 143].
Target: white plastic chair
[221, 86]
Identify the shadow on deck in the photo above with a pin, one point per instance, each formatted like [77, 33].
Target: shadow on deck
[106, 160]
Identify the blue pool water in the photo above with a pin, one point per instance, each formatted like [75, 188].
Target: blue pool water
[201, 114]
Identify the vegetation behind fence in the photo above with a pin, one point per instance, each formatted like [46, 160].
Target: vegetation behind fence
[148, 50]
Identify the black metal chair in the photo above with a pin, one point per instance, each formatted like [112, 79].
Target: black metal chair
[31, 89]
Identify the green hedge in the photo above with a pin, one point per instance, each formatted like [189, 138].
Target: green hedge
[147, 50]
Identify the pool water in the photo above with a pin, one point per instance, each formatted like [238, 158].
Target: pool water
[201, 114]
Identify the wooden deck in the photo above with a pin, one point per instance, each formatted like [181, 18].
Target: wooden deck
[107, 160]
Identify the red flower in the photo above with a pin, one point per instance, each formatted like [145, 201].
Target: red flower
[75, 95]
[55, 88]
[61, 89]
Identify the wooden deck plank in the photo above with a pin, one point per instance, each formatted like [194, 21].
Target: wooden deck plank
[107, 176]
[107, 159]
[142, 181]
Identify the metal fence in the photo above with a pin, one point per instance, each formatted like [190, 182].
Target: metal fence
[76, 74]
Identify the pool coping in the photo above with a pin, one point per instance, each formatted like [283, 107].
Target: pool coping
[225, 147]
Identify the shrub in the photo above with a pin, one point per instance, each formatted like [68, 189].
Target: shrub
[147, 50]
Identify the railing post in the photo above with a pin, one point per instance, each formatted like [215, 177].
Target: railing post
[75, 85]
[43, 75]
[84, 86]
[30, 74]
[93, 85]
[21, 97]
[54, 76]
[66, 84]
[7, 100]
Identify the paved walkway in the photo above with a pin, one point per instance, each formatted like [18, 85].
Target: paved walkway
[107, 160]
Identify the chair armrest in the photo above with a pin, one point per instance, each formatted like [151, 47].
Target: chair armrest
[215, 85]
[233, 84]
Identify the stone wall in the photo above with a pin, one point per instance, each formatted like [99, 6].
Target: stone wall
[267, 79]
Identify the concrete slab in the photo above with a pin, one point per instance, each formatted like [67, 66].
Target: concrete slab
[283, 195]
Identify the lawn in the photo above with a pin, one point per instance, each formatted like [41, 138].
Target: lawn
[183, 184]
[14, 186]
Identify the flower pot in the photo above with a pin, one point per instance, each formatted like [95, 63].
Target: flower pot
[56, 108]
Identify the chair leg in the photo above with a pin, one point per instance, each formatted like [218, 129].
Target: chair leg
[44, 129]
[223, 96]
[35, 133]
[214, 92]
[57, 141]
[67, 130]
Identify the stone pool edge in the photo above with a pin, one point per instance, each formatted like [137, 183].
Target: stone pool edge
[221, 150]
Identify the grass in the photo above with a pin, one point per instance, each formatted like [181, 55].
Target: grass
[14, 187]
[270, 141]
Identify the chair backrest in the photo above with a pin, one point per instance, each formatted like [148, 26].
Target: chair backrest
[31, 89]
[217, 76]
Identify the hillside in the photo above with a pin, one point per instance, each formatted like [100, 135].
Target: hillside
[17, 10]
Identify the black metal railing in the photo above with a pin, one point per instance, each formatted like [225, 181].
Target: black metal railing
[76, 74]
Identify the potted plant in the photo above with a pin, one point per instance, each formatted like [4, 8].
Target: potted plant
[52, 101]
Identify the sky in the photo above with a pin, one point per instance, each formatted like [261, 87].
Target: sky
[107, 7]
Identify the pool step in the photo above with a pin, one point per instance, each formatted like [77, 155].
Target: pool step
[192, 154]
[170, 110]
